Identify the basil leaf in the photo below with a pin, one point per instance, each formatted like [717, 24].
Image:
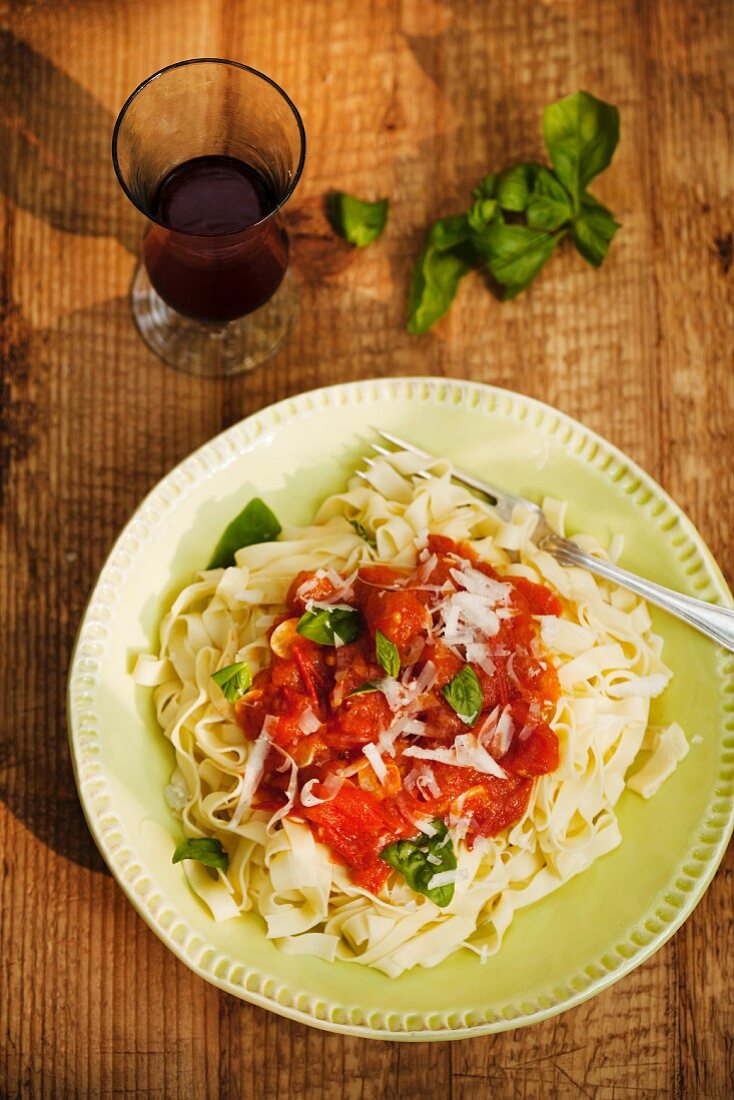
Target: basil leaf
[329, 625]
[387, 654]
[581, 133]
[549, 206]
[514, 186]
[485, 188]
[359, 222]
[447, 256]
[204, 849]
[464, 694]
[593, 229]
[234, 680]
[410, 858]
[255, 523]
[364, 533]
[482, 213]
[365, 689]
[515, 254]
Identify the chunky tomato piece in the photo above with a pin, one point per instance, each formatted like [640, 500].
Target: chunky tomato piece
[493, 804]
[442, 722]
[534, 749]
[360, 719]
[538, 599]
[536, 754]
[373, 877]
[400, 616]
[319, 588]
[442, 545]
[446, 663]
[356, 825]
[496, 804]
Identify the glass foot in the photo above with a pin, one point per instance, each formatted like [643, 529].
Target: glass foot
[213, 350]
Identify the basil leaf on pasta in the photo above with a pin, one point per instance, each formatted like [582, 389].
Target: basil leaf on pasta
[255, 523]
[204, 849]
[410, 858]
[464, 694]
[365, 689]
[387, 654]
[364, 533]
[234, 680]
[330, 625]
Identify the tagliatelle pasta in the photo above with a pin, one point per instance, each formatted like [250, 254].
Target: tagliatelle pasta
[608, 665]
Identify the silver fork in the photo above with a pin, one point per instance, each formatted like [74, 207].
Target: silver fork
[715, 622]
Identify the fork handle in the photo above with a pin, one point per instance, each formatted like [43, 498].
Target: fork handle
[716, 622]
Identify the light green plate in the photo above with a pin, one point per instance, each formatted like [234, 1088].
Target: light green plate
[562, 950]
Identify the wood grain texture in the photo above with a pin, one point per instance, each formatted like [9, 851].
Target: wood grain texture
[414, 100]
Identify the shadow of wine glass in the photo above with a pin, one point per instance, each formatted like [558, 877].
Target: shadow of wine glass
[55, 149]
[56, 162]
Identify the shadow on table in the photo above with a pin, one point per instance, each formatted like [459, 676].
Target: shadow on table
[56, 162]
[55, 149]
[52, 570]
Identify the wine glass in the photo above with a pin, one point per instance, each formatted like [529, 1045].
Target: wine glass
[209, 150]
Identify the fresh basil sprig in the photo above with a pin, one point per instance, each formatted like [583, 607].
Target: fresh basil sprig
[357, 221]
[410, 858]
[204, 849]
[446, 257]
[255, 523]
[463, 693]
[387, 654]
[330, 625]
[521, 214]
[234, 680]
[581, 133]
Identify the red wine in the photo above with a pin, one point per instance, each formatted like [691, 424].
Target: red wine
[216, 255]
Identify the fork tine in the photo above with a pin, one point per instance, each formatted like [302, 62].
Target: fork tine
[499, 497]
[403, 444]
[380, 450]
[495, 495]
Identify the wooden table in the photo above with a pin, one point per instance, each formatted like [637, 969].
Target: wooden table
[414, 100]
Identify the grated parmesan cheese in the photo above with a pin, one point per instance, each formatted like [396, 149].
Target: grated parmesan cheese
[372, 753]
[254, 768]
[446, 878]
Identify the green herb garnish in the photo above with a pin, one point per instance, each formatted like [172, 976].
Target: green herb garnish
[463, 693]
[255, 523]
[410, 858]
[447, 256]
[593, 228]
[330, 625]
[234, 680]
[357, 221]
[581, 133]
[522, 213]
[204, 849]
[387, 654]
[364, 533]
[365, 689]
[515, 254]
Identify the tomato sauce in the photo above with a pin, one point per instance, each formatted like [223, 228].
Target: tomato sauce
[306, 693]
